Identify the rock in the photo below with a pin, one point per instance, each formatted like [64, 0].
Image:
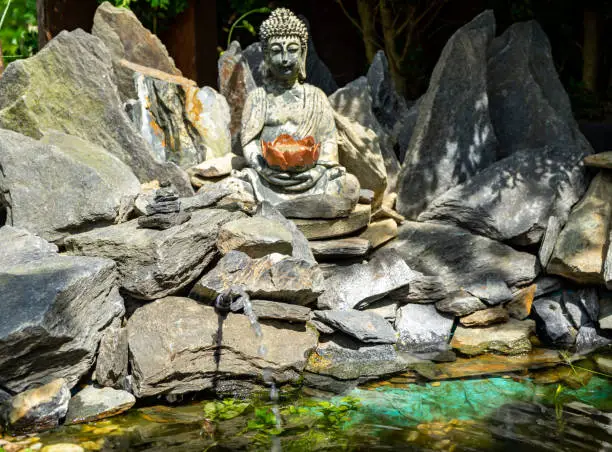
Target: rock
[605, 312]
[37, 409]
[553, 325]
[112, 360]
[37, 95]
[589, 339]
[551, 234]
[163, 221]
[547, 284]
[77, 185]
[256, 237]
[582, 306]
[183, 124]
[365, 326]
[206, 197]
[386, 212]
[460, 303]
[91, 404]
[513, 198]
[404, 128]
[358, 285]
[178, 345]
[152, 263]
[359, 152]
[366, 196]
[265, 309]
[461, 258]
[58, 306]
[380, 232]
[485, 317]
[491, 289]
[453, 138]
[273, 277]
[422, 329]
[354, 101]
[607, 268]
[510, 338]
[386, 308]
[604, 364]
[422, 289]
[340, 248]
[126, 38]
[235, 83]
[579, 251]
[528, 106]
[322, 327]
[218, 166]
[316, 229]
[62, 447]
[602, 160]
[522, 300]
[344, 358]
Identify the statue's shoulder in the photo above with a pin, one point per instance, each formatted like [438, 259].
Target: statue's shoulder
[314, 91]
[256, 96]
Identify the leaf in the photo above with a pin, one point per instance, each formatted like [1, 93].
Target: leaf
[251, 29]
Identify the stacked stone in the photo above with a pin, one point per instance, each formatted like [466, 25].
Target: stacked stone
[165, 210]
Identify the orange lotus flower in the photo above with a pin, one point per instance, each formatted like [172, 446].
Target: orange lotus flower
[289, 154]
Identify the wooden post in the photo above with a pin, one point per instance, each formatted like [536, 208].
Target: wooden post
[590, 49]
[57, 15]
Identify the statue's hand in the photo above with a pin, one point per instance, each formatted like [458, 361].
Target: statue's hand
[280, 178]
[308, 178]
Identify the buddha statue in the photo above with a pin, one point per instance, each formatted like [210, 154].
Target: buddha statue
[288, 132]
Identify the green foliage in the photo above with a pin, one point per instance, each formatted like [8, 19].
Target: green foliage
[225, 409]
[241, 22]
[156, 15]
[19, 32]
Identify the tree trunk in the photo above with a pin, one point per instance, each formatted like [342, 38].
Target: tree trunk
[590, 49]
[56, 15]
[367, 18]
[389, 36]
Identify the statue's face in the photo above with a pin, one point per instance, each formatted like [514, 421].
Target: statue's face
[283, 57]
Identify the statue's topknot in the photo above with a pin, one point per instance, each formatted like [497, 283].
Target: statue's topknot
[283, 23]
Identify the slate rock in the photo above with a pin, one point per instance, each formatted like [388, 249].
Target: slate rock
[380, 232]
[59, 307]
[607, 267]
[155, 263]
[256, 237]
[358, 285]
[491, 289]
[316, 229]
[601, 160]
[404, 129]
[580, 249]
[163, 221]
[177, 346]
[274, 277]
[461, 258]
[522, 300]
[218, 166]
[92, 404]
[126, 38]
[77, 185]
[112, 359]
[349, 247]
[485, 317]
[512, 199]
[589, 338]
[510, 338]
[552, 323]
[266, 309]
[366, 196]
[582, 306]
[386, 308]
[453, 138]
[421, 289]
[422, 329]
[322, 327]
[205, 197]
[605, 311]
[460, 303]
[37, 95]
[551, 234]
[365, 326]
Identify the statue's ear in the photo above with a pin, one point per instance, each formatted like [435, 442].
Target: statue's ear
[302, 75]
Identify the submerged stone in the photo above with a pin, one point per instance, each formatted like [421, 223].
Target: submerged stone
[92, 404]
[510, 338]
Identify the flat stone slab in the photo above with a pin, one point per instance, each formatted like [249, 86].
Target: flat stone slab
[422, 329]
[256, 237]
[522, 300]
[340, 248]
[485, 317]
[92, 404]
[366, 326]
[601, 160]
[217, 167]
[380, 232]
[315, 229]
[266, 309]
[460, 303]
[510, 338]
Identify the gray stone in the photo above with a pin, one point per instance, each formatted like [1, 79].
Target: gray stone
[386, 308]
[605, 311]
[513, 198]
[37, 409]
[604, 364]
[460, 303]
[422, 329]
[206, 197]
[547, 284]
[582, 305]
[510, 338]
[75, 184]
[607, 268]
[380, 232]
[58, 308]
[491, 289]
[178, 345]
[37, 95]
[579, 253]
[217, 167]
[358, 285]
[153, 263]
[551, 234]
[485, 317]
[316, 229]
[274, 277]
[422, 289]
[404, 129]
[344, 358]
[265, 309]
[256, 237]
[365, 326]
[366, 196]
[453, 138]
[322, 327]
[91, 404]
[112, 360]
[349, 247]
[163, 221]
[589, 339]
[461, 258]
[556, 328]
[126, 38]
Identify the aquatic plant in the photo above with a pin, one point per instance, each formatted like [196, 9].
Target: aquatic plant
[225, 409]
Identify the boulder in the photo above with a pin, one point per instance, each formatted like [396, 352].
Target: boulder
[460, 303]
[178, 345]
[316, 229]
[126, 38]
[358, 285]
[92, 404]
[580, 249]
[69, 86]
[155, 263]
[58, 308]
[461, 258]
[255, 236]
[75, 185]
[422, 329]
[274, 277]
[37, 409]
[112, 360]
[453, 138]
[350, 247]
[365, 326]
[513, 199]
[266, 309]
[553, 325]
[510, 338]
[485, 317]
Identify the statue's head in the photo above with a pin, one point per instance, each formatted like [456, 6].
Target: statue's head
[284, 40]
